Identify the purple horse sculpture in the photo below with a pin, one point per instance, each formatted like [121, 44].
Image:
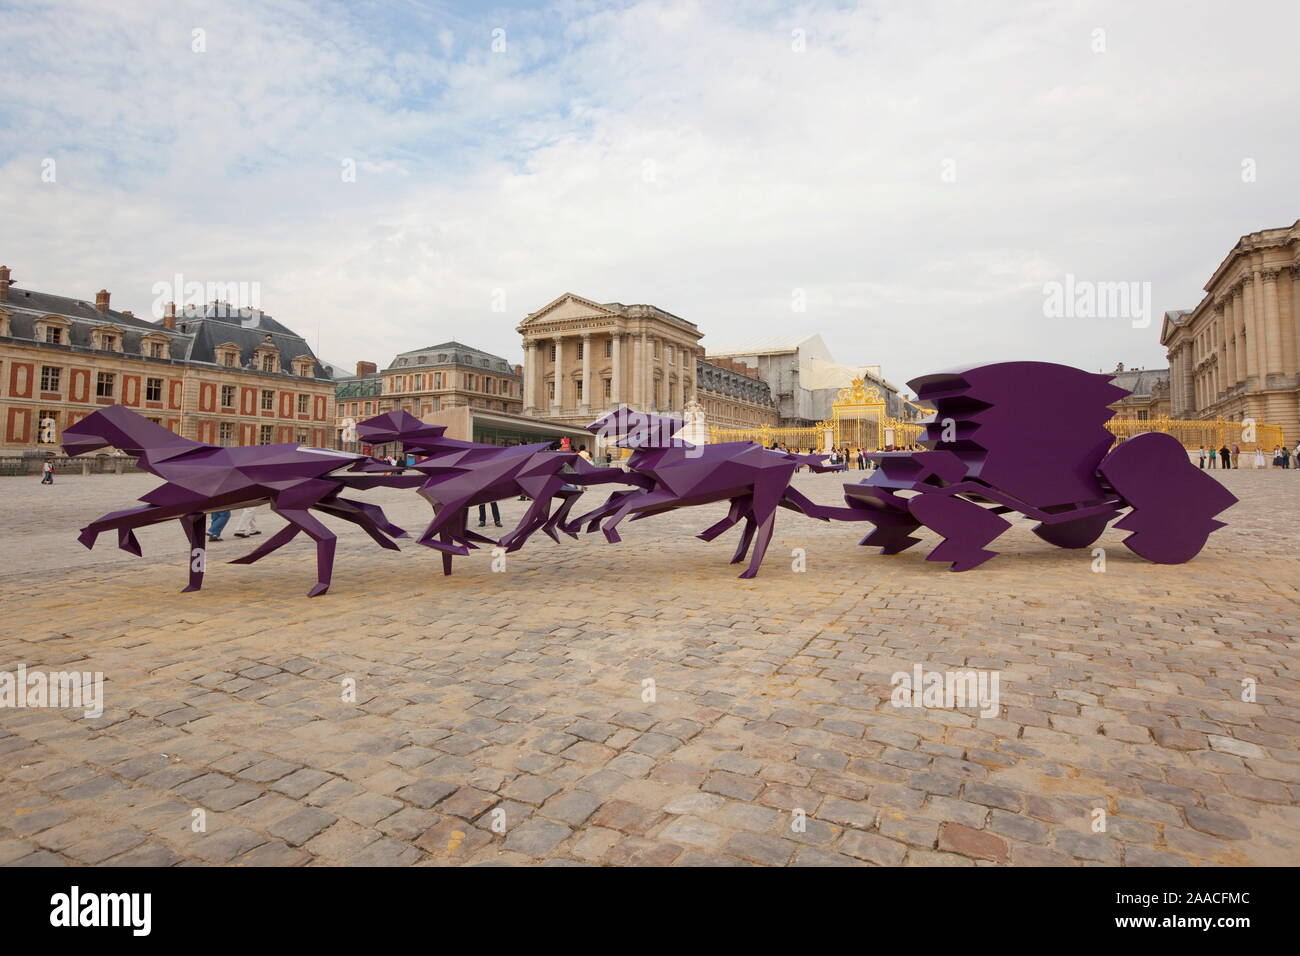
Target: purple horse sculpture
[672, 474]
[200, 478]
[456, 475]
[1030, 437]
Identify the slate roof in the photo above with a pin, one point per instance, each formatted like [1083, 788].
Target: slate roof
[1141, 381]
[451, 353]
[199, 329]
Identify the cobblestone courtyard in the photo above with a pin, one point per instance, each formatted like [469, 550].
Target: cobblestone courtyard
[501, 717]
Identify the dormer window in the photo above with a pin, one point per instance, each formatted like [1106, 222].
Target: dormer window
[53, 330]
[304, 366]
[156, 346]
[108, 339]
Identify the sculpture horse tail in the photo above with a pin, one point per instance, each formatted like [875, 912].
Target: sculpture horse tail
[1173, 501]
[121, 428]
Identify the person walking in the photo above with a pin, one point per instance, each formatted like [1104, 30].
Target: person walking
[219, 519]
[47, 472]
[496, 514]
[1214, 458]
[1225, 456]
[246, 523]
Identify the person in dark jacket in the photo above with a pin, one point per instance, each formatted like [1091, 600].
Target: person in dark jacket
[1225, 457]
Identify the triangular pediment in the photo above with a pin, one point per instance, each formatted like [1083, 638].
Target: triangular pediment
[568, 306]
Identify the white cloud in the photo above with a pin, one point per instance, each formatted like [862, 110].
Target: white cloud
[677, 153]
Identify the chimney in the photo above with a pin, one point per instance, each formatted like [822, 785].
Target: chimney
[5, 283]
[366, 368]
[101, 300]
[169, 316]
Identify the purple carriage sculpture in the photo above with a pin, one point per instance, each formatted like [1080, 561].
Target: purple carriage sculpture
[671, 473]
[199, 478]
[455, 475]
[1030, 437]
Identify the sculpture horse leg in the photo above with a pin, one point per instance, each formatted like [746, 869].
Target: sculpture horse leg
[769, 486]
[634, 501]
[736, 512]
[292, 505]
[193, 525]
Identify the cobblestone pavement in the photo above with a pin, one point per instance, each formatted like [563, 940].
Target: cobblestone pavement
[506, 717]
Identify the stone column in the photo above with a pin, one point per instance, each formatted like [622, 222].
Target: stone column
[1295, 309]
[530, 375]
[616, 375]
[1272, 323]
[557, 403]
[646, 388]
[1239, 323]
[1255, 290]
[585, 404]
[1245, 303]
[1230, 351]
[1221, 362]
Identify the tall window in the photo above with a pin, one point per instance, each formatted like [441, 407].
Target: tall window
[226, 433]
[227, 396]
[264, 435]
[104, 384]
[268, 400]
[550, 390]
[228, 358]
[50, 378]
[437, 380]
[609, 347]
[302, 404]
[153, 389]
[581, 348]
[268, 363]
[609, 389]
[580, 395]
[156, 349]
[552, 351]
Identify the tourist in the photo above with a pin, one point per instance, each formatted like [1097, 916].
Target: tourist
[1277, 457]
[1202, 456]
[245, 524]
[584, 454]
[1259, 457]
[1286, 458]
[482, 515]
[1225, 456]
[1214, 458]
[47, 472]
[1236, 456]
[219, 519]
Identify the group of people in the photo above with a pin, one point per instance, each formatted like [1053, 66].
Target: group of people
[1226, 457]
[245, 525]
[853, 459]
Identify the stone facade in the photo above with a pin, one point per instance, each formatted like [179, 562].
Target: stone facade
[1148, 396]
[429, 380]
[213, 373]
[1236, 355]
[583, 358]
[733, 396]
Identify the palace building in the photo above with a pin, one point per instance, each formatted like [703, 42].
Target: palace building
[1148, 393]
[429, 382]
[1236, 355]
[733, 396]
[583, 358]
[213, 373]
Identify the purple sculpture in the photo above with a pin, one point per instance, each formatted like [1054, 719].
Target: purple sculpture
[1030, 437]
[672, 474]
[458, 474]
[1023, 437]
[200, 478]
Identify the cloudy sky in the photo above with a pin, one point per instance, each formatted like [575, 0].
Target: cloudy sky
[903, 177]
